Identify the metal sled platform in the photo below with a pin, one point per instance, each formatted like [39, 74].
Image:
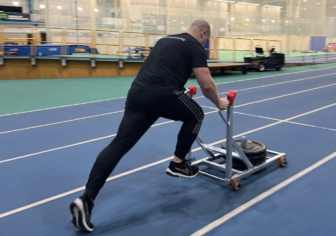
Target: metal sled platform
[224, 168]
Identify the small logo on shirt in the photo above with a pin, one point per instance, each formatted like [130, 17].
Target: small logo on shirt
[169, 37]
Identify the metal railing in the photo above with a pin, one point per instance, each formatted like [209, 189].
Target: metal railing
[120, 36]
[234, 44]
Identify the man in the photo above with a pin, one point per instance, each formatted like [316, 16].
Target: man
[157, 91]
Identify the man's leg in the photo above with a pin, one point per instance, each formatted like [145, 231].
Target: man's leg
[192, 118]
[175, 105]
[132, 127]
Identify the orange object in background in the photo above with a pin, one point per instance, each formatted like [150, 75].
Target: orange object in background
[1, 53]
[333, 47]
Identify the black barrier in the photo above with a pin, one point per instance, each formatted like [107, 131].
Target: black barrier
[5, 16]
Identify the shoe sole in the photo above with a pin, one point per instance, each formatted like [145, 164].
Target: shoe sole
[75, 215]
[78, 215]
[177, 175]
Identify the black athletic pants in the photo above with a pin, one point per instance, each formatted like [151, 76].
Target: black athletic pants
[142, 109]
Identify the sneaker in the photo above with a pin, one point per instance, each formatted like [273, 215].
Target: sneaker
[81, 213]
[182, 169]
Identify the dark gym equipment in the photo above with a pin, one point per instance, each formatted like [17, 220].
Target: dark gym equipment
[232, 66]
[261, 62]
[248, 156]
[255, 151]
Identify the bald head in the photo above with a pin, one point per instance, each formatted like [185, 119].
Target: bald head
[200, 30]
[200, 25]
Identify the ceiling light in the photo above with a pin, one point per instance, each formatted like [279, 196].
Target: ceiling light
[80, 9]
[16, 3]
[273, 21]
[272, 6]
[59, 7]
[246, 3]
[96, 10]
[247, 19]
[42, 6]
[232, 18]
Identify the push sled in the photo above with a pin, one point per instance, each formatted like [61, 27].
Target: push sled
[235, 159]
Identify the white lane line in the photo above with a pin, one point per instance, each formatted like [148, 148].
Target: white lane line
[269, 118]
[149, 165]
[289, 94]
[76, 144]
[291, 122]
[125, 97]
[93, 140]
[88, 117]
[313, 126]
[285, 95]
[214, 108]
[268, 85]
[61, 122]
[51, 108]
[277, 75]
[262, 196]
[55, 149]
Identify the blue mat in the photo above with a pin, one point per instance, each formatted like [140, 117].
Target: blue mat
[47, 49]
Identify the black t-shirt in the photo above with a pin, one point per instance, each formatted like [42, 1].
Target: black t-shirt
[170, 63]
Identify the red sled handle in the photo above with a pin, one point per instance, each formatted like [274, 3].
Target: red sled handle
[191, 91]
[231, 95]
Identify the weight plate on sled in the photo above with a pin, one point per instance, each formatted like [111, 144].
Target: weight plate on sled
[255, 151]
[252, 148]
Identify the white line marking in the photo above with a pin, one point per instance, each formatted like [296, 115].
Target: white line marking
[269, 118]
[80, 143]
[290, 122]
[313, 126]
[93, 140]
[39, 126]
[125, 97]
[51, 108]
[262, 196]
[268, 85]
[210, 107]
[277, 75]
[61, 122]
[147, 166]
[55, 149]
[289, 94]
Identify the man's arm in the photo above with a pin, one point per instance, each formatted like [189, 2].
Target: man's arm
[209, 87]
